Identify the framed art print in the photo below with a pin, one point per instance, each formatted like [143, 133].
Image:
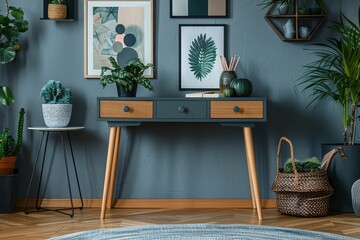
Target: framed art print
[198, 8]
[200, 49]
[122, 29]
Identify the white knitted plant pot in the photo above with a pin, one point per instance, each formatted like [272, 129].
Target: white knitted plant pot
[57, 115]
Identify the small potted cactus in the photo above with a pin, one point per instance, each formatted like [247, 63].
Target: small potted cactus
[57, 10]
[57, 107]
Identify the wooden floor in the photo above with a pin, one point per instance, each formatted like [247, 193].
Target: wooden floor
[49, 224]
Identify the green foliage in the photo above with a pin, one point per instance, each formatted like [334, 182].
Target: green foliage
[8, 148]
[268, 3]
[11, 25]
[336, 73]
[309, 165]
[53, 92]
[202, 56]
[132, 73]
[58, 2]
[6, 95]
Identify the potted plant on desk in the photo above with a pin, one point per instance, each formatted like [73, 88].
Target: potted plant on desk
[336, 75]
[128, 78]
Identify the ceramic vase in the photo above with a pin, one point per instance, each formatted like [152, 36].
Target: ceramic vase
[225, 79]
[57, 115]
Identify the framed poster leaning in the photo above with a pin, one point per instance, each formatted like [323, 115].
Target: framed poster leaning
[122, 29]
[200, 49]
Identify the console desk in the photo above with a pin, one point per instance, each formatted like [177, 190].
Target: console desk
[125, 112]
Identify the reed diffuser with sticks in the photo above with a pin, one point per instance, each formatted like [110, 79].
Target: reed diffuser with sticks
[229, 71]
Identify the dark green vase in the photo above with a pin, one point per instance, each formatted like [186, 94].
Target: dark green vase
[225, 79]
[342, 175]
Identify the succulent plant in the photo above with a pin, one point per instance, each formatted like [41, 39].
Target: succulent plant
[57, 2]
[54, 93]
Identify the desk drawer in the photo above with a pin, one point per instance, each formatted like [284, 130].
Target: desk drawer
[181, 109]
[126, 109]
[237, 109]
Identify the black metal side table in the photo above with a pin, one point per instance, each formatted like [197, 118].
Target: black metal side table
[65, 131]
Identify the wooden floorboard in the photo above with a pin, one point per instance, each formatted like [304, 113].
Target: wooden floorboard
[44, 225]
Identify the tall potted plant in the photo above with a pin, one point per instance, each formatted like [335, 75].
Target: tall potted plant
[336, 75]
[128, 78]
[9, 149]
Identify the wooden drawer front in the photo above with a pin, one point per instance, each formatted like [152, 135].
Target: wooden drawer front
[181, 109]
[126, 109]
[237, 109]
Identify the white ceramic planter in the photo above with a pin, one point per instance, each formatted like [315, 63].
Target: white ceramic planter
[57, 115]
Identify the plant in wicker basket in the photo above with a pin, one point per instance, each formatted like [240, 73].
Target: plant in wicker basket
[299, 193]
[57, 10]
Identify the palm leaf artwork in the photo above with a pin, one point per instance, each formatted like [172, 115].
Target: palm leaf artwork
[202, 56]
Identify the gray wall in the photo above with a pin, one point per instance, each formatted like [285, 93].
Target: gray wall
[170, 160]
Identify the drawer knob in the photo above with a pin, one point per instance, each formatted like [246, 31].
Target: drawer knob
[126, 108]
[182, 109]
[236, 109]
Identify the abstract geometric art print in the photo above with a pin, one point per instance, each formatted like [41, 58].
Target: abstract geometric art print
[119, 29]
[200, 49]
[198, 8]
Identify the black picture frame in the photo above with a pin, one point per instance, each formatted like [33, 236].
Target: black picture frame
[190, 36]
[200, 13]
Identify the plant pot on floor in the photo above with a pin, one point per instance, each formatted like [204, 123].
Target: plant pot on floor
[342, 175]
[8, 185]
[7, 165]
[57, 115]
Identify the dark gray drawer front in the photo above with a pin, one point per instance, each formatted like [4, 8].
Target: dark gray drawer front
[181, 109]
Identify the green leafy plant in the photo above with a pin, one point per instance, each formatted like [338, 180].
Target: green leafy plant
[8, 147]
[128, 76]
[336, 73]
[11, 25]
[309, 165]
[202, 56]
[268, 3]
[58, 2]
[53, 92]
[6, 95]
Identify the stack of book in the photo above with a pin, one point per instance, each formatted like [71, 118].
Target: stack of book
[207, 94]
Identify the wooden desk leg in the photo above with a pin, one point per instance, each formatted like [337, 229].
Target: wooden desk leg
[108, 170]
[251, 185]
[113, 169]
[249, 146]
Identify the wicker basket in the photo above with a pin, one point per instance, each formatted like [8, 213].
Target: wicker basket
[302, 194]
[57, 11]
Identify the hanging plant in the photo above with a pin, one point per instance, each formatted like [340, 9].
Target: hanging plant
[11, 25]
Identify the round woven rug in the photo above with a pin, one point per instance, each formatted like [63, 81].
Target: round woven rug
[201, 231]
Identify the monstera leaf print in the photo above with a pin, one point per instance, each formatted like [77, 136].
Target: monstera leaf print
[202, 56]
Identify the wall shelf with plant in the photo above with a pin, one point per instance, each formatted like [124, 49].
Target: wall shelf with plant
[56, 8]
[295, 20]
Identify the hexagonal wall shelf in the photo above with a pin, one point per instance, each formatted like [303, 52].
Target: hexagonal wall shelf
[297, 23]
